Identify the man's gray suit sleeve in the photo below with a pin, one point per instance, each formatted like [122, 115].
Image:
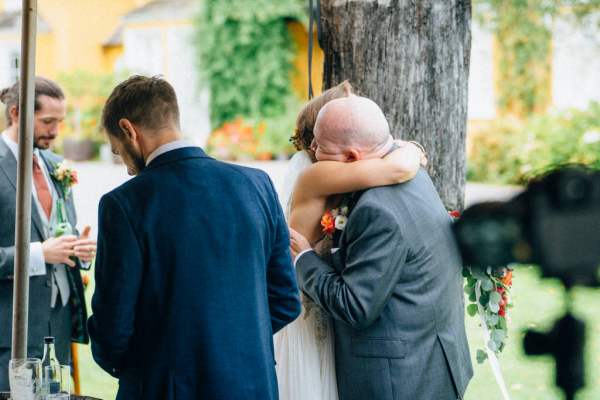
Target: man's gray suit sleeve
[375, 252]
[7, 262]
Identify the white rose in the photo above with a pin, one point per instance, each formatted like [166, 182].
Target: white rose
[340, 222]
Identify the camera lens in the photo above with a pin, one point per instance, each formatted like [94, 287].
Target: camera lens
[575, 189]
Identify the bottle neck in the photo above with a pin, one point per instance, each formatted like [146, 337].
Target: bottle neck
[49, 354]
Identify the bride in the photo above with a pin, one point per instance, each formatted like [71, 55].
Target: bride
[304, 350]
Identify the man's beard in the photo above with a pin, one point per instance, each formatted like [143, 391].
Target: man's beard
[135, 158]
[37, 142]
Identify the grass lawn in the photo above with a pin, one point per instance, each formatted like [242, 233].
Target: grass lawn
[537, 304]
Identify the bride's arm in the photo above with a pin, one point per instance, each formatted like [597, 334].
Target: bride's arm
[325, 178]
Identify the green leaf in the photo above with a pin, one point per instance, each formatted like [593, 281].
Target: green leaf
[481, 356]
[495, 298]
[472, 297]
[492, 319]
[502, 323]
[487, 285]
[492, 346]
[494, 307]
[469, 289]
[484, 299]
[472, 310]
[498, 335]
[478, 274]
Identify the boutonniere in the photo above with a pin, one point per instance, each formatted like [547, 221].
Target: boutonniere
[65, 177]
[334, 219]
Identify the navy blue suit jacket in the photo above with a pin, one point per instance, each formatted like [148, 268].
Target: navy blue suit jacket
[193, 277]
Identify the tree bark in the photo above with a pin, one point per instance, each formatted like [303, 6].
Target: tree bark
[412, 58]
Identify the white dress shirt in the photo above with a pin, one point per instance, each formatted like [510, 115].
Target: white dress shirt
[37, 266]
[165, 148]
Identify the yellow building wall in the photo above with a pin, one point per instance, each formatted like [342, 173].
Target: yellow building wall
[44, 55]
[110, 54]
[79, 28]
[300, 76]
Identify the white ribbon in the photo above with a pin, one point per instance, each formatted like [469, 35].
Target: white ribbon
[494, 363]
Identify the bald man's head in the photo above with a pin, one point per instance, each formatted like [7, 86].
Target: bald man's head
[351, 123]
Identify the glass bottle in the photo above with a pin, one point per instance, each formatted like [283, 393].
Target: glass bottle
[51, 375]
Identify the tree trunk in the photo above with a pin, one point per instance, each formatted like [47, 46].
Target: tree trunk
[412, 58]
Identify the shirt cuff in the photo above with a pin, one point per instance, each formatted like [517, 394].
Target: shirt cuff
[303, 252]
[37, 265]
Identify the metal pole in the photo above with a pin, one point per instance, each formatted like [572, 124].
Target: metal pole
[24, 180]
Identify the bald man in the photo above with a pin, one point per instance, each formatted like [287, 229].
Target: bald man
[394, 286]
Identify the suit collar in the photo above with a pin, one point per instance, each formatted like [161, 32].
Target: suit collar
[8, 164]
[177, 155]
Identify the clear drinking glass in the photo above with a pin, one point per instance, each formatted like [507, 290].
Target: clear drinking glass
[57, 382]
[25, 378]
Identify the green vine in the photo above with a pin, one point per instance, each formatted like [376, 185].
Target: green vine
[523, 31]
[245, 55]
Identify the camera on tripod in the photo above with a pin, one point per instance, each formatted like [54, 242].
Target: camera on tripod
[553, 223]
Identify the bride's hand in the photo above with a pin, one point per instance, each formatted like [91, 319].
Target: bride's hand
[412, 148]
[298, 243]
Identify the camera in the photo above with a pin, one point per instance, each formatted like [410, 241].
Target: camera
[554, 223]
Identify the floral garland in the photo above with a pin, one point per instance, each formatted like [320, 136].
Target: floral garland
[488, 293]
[489, 297]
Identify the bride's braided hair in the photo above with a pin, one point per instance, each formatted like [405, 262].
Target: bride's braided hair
[305, 122]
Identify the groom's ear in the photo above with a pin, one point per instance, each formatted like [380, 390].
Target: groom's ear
[129, 131]
[352, 155]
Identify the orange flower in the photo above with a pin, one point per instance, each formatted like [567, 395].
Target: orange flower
[507, 279]
[74, 177]
[328, 223]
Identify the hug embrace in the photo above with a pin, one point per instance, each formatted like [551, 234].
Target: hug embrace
[198, 265]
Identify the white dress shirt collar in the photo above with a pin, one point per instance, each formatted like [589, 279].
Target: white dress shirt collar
[165, 148]
[14, 147]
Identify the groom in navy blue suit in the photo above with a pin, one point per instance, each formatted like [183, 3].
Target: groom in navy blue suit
[193, 271]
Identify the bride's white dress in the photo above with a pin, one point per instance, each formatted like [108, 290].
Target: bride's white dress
[304, 349]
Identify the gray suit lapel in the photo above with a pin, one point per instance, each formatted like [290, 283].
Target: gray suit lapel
[50, 166]
[8, 165]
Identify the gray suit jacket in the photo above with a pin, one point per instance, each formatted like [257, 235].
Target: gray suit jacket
[395, 293]
[39, 286]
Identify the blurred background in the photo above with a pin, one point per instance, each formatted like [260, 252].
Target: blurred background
[239, 68]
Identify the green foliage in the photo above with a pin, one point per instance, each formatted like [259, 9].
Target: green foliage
[245, 55]
[523, 33]
[513, 151]
[86, 94]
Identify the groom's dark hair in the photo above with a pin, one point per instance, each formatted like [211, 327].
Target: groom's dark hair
[146, 101]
